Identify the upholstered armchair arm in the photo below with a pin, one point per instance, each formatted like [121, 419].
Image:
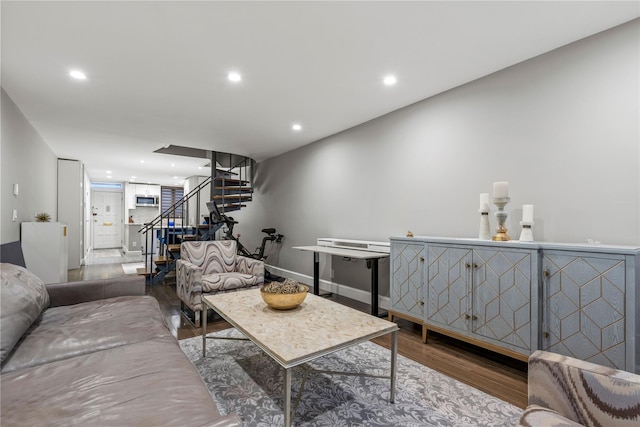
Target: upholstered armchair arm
[189, 284]
[583, 392]
[254, 267]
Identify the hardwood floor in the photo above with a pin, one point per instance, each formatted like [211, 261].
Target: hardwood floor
[497, 375]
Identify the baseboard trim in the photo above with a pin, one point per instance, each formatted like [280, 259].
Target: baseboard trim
[328, 286]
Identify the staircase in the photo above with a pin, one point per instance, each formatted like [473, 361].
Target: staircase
[230, 185]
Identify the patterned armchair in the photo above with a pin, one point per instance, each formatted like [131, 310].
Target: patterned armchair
[564, 391]
[211, 267]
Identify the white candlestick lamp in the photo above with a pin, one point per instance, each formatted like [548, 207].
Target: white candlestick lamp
[484, 233]
[527, 224]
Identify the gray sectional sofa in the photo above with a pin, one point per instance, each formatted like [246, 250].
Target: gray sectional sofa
[94, 353]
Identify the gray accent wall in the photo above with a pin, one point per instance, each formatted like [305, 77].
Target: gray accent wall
[561, 128]
[28, 161]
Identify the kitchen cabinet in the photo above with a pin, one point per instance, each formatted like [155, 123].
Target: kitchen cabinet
[133, 239]
[148, 190]
[129, 196]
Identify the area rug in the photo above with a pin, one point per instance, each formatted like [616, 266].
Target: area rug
[244, 380]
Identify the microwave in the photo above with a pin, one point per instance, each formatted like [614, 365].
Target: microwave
[152, 201]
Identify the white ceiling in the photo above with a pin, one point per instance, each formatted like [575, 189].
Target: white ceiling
[156, 70]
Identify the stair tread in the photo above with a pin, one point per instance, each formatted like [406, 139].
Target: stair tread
[234, 187]
[143, 271]
[174, 247]
[232, 180]
[233, 196]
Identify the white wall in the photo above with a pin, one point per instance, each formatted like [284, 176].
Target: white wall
[28, 161]
[562, 128]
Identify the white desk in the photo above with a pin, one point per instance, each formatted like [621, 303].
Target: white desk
[369, 256]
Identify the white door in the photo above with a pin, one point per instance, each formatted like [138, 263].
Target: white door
[106, 211]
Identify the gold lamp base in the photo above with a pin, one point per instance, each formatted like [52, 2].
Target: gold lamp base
[501, 236]
[501, 215]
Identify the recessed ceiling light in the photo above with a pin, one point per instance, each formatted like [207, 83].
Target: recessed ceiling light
[109, 172]
[173, 164]
[297, 127]
[141, 161]
[133, 177]
[175, 177]
[234, 77]
[108, 176]
[77, 74]
[390, 80]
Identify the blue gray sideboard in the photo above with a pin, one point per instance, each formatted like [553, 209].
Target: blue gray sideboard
[517, 297]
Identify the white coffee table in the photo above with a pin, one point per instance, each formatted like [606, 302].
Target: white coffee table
[292, 337]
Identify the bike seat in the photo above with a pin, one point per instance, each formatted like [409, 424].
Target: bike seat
[269, 230]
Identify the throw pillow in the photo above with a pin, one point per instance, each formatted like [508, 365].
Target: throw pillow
[23, 297]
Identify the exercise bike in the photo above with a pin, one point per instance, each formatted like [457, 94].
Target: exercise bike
[219, 220]
[271, 236]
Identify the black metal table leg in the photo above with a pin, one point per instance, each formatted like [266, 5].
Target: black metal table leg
[316, 273]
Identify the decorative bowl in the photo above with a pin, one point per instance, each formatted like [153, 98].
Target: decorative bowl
[284, 300]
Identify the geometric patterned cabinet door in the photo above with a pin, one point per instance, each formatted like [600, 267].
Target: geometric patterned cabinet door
[449, 287]
[584, 297]
[502, 295]
[407, 282]
[483, 293]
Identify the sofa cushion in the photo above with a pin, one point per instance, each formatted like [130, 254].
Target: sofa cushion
[535, 416]
[68, 331]
[144, 384]
[23, 296]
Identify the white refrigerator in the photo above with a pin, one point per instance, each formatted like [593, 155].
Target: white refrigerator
[45, 246]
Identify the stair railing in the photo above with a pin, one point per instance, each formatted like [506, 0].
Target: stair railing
[170, 216]
[238, 173]
[241, 172]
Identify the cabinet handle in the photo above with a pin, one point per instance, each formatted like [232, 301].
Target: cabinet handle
[421, 259]
[546, 273]
[421, 303]
[546, 334]
[467, 265]
[466, 316]
[474, 317]
[475, 265]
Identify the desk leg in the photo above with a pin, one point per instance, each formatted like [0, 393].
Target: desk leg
[374, 287]
[316, 273]
[287, 397]
[394, 353]
[203, 322]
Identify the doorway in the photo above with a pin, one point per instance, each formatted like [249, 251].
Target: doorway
[106, 211]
